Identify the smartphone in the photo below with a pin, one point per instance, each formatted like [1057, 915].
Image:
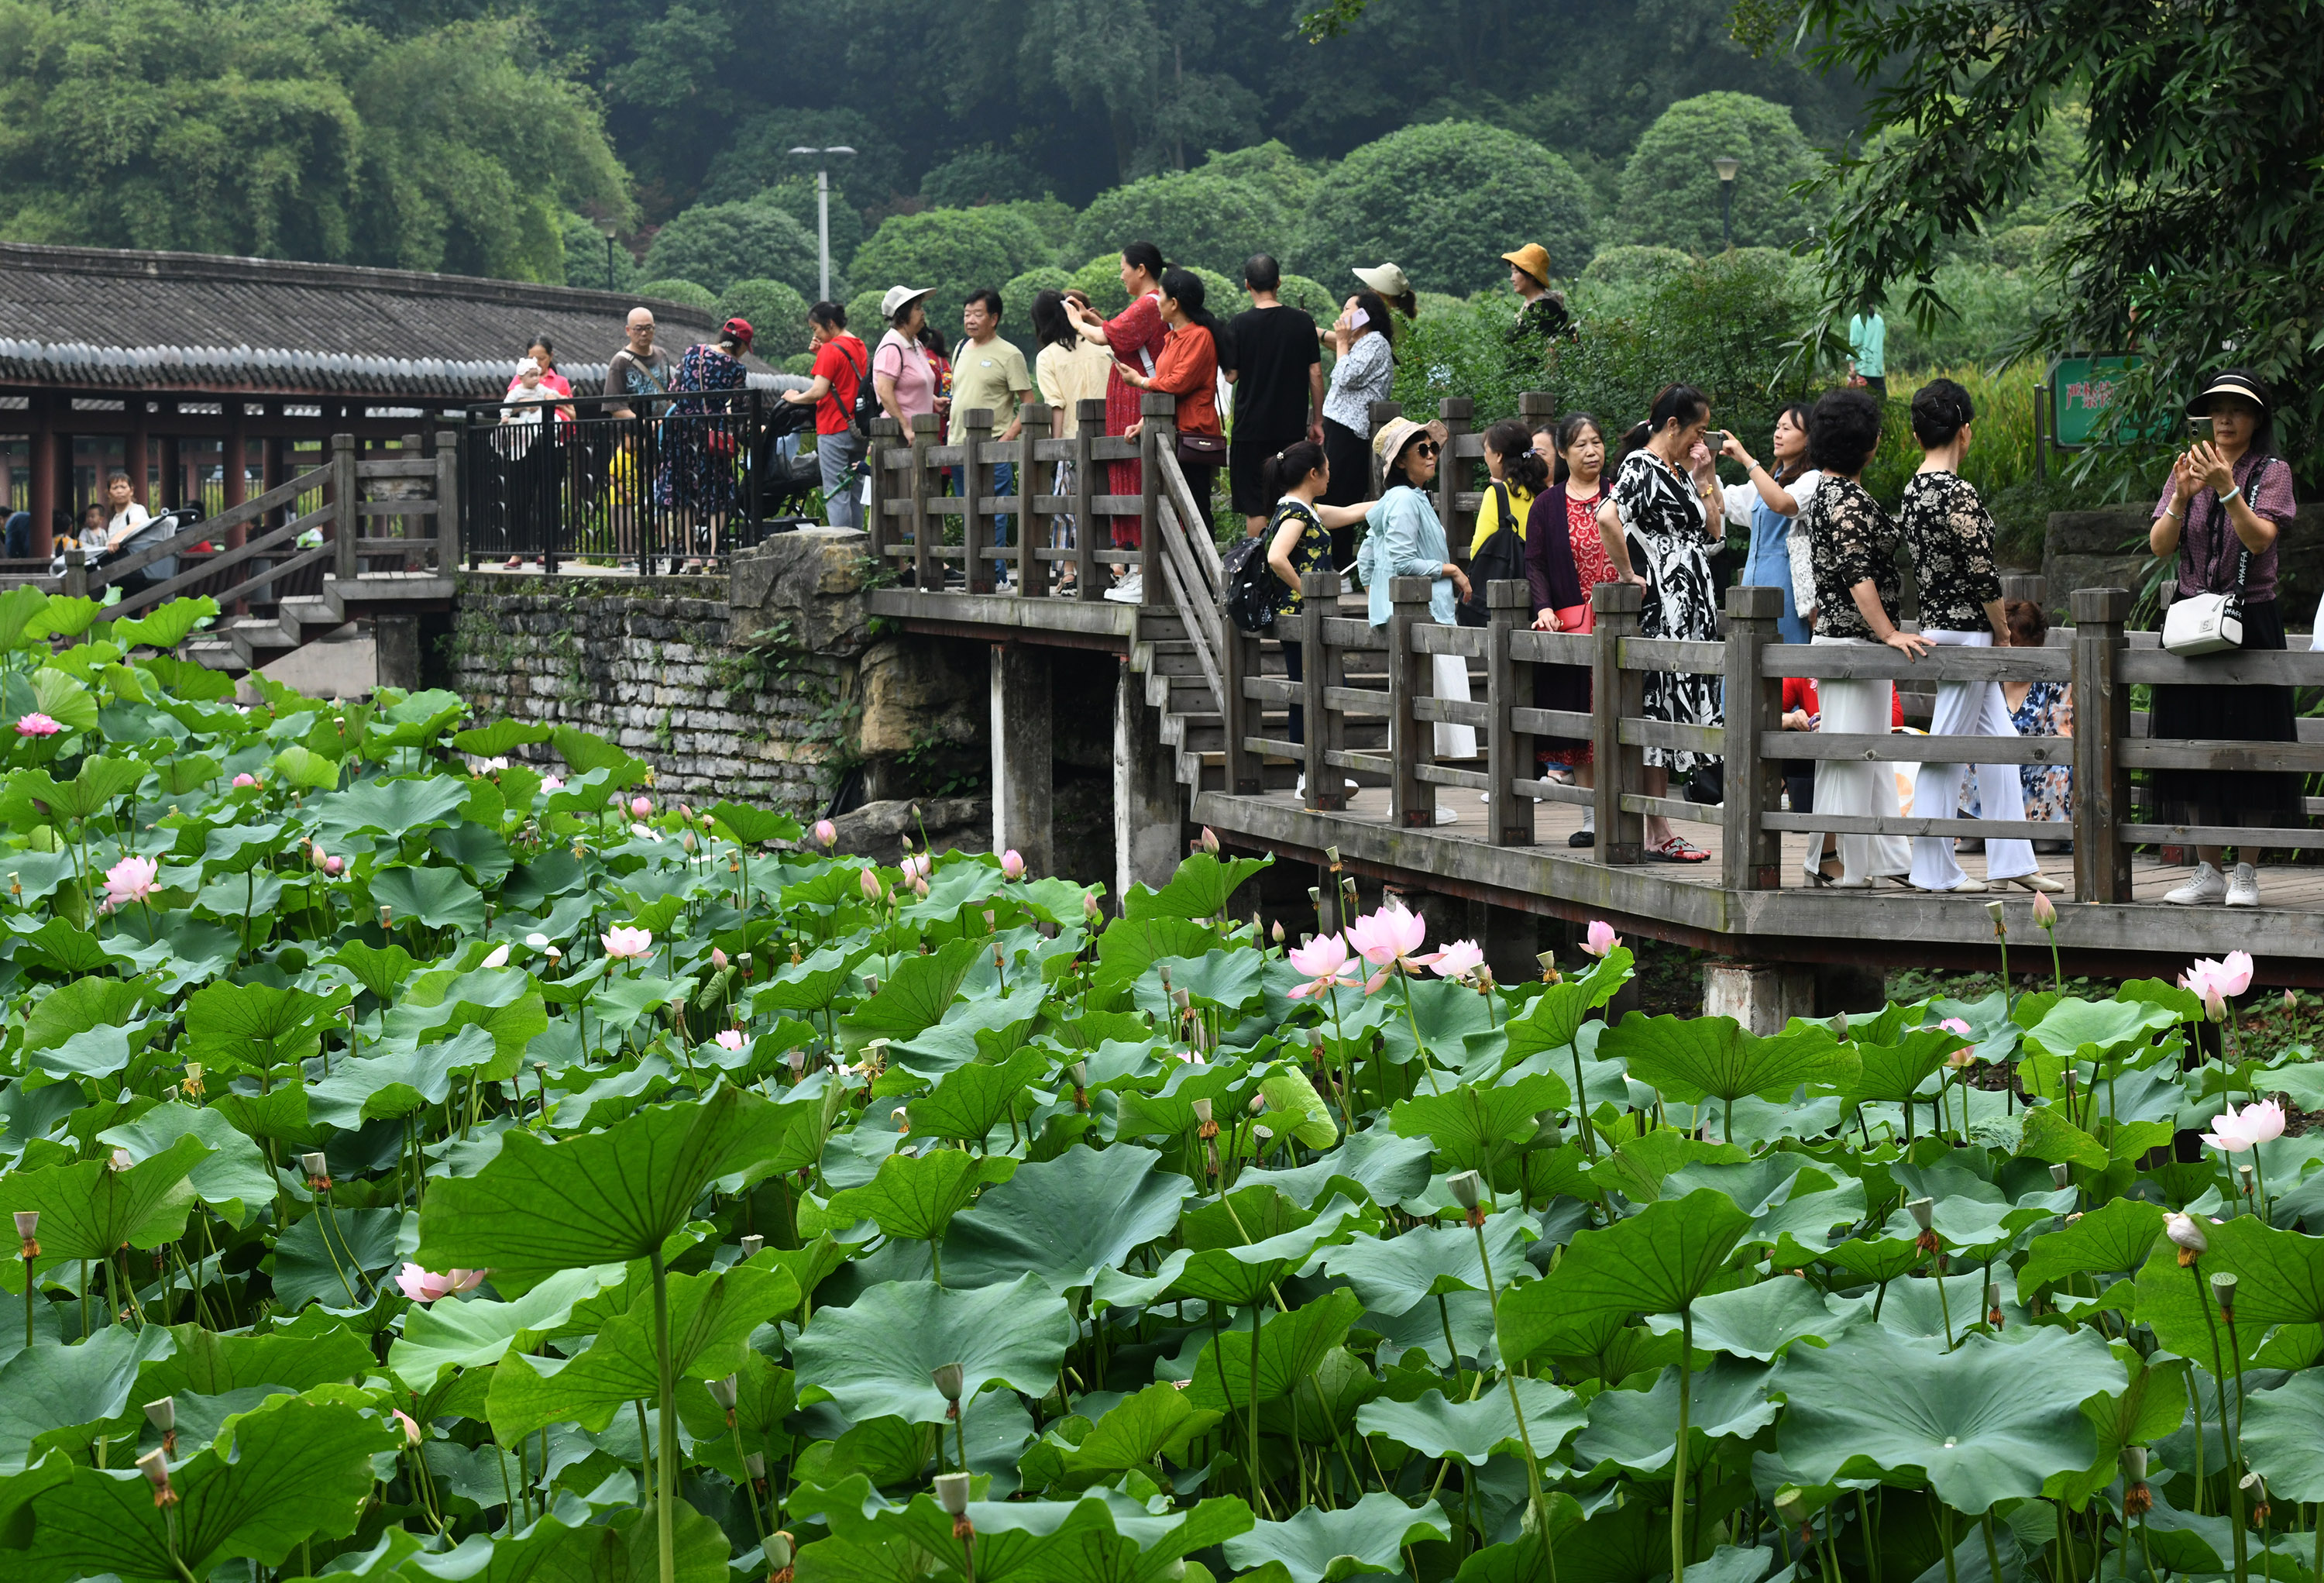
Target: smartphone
[2200, 426]
[1716, 438]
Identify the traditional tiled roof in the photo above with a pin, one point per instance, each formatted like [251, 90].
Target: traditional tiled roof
[94, 319]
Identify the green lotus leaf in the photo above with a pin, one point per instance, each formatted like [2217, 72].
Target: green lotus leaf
[1291, 1345]
[436, 897]
[394, 808]
[1638, 1430]
[605, 1197]
[1925, 1308]
[2280, 1438]
[2100, 1028]
[2050, 1136]
[1892, 1073]
[1714, 1058]
[90, 1210]
[1394, 1273]
[1288, 1093]
[501, 738]
[2152, 1407]
[1103, 1535]
[60, 1396]
[233, 1179]
[1472, 1125]
[1201, 888]
[205, 1364]
[1472, 1431]
[969, 1101]
[335, 1257]
[1373, 1164]
[1130, 946]
[477, 1332]
[1656, 1262]
[400, 1078]
[1447, 1014]
[1987, 1423]
[754, 827]
[1638, 1168]
[1808, 1218]
[253, 1026]
[302, 766]
[1135, 1433]
[1239, 1273]
[710, 1319]
[1066, 1220]
[913, 999]
[504, 1002]
[81, 1006]
[916, 1194]
[1761, 1321]
[1316, 1546]
[2113, 1237]
[809, 984]
[584, 752]
[1553, 1018]
[875, 1356]
[2279, 1294]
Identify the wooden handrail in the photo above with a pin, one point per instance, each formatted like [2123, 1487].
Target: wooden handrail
[209, 527]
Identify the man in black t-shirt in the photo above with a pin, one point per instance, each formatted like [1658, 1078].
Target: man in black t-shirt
[1274, 360]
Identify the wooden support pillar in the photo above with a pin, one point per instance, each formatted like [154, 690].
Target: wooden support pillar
[1508, 752]
[1319, 598]
[975, 484]
[1033, 532]
[1239, 660]
[886, 432]
[1762, 997]
[43, 468]
[1089, 422]
[1158, 432]
[1536, 408]
[1411, 741]
[1457, 412]
[1023, 734]
[136, 456]
[2101, 725]
[1149, 807]
[1753, 855]
[173, 474]
[236, 459]
[1615, 695]
[345, 522]
[927, 575]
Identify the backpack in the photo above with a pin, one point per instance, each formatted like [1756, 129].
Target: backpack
[867, 396]
[1251, 584]
[1500, 560]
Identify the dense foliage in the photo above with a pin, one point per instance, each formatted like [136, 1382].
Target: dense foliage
[1670, 189]
[431, 1166]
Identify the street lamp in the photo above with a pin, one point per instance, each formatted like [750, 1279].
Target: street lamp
[1727, 167]
[608, 228]
[823, 158]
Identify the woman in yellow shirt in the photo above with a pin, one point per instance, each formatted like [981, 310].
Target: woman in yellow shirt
[1521, 474]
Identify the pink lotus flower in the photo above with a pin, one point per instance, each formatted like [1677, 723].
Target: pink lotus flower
[2228, 979]
[334, 866]
[130, 879]
[1390, 936]
[1012, 865]
[731, 1038]
[867, 880]
[37, 724]
[826, 834]
[640, 806]
[1955, 1025]
[1457, 960]
[623, 943]
[497, 957]
[245, 779]
[426, 1286]
[2045, 911]
[2237, 1132]
[410, 1429]
[1321, 960]
[717, 957]
[1601, 938]
[918, 865]
[552, 782]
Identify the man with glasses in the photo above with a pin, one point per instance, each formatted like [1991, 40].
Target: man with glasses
[639, 368]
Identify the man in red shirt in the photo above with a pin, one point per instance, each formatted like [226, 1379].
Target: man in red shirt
[841, 365]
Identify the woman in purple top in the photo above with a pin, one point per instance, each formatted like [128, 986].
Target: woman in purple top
[2228, 500]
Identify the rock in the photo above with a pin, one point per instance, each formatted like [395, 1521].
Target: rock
[876, 831]
[915, 692]
[804, 590]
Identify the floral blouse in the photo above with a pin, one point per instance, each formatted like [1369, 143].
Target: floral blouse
[1314, 549]
[1365, 375]
[1852, 541]
[1951, 536]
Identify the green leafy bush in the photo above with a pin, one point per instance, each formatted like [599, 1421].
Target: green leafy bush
[1194, 216]
[777, 314]
[795, 195]
[1671, 192]
[979, 175]
[716, 243]
[954, 250]
[686, 291]
[1445, 201]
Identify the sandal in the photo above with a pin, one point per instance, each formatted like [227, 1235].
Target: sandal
[1678, 850]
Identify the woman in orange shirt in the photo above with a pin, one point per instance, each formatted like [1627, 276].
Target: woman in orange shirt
[1188, 369]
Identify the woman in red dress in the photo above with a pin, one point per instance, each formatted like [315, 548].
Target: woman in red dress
[1134, 336]
[1566, 557]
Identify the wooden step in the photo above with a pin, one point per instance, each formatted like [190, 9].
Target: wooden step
[218, 654]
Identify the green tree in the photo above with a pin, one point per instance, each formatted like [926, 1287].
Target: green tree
[586, 256]
[717, 243]
[952, 250]
[777, 315]
[1670, 189]
[980, 175]
[795, 195]
[758, 155]
[1445, 201]
[1017, 299]
[1195, 218]
[692, 294]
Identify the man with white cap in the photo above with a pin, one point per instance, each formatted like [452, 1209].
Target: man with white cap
[900, 370]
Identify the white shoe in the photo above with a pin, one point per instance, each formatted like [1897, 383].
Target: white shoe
[1130, 591]
[2038, 881]
[1968, 885]
[1445, 816]
[2207, 887]
[1300, 788]
[2243, 885]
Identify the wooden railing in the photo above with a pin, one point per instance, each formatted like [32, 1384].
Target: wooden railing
[2098, 656]
[272, 562]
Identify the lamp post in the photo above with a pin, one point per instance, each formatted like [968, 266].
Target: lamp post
[823, 158]
[609, 255]
[1727, 167]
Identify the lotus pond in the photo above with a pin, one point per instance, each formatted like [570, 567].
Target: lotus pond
[427, 1165]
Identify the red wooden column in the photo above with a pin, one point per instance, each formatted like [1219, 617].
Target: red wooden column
[237, 458]
[133, 456]
[45, 478]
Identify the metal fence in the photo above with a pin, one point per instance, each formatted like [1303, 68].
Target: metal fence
[684, 481]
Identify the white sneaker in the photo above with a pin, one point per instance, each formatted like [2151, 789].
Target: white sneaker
[1445, 816]
[1130, 591]
[2243, 885]
[2207, 887]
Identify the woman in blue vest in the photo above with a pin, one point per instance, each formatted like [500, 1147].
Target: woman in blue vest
[1767, 505]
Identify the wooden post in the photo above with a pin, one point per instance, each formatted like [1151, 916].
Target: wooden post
[346, 521]
[1158, 432]
[1615, 694]
[1536, 408]
[975, 481]
[1381, 412]
[1411, 799]
[234, 472]
[1753, 859]
[77, 572]
[883, 437]
[1032, 525]
[2101, 725]
[925, 564]
[447, 501]
[1239, 660]
[1319, 597]
[1456, 411]
[1508, 752]
[136, 457]
[1089, 422]
[45, 493]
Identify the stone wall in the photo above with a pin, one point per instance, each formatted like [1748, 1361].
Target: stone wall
[769, 685]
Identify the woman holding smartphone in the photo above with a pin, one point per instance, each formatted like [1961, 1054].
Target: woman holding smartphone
[1363, 370]
[2226, 505]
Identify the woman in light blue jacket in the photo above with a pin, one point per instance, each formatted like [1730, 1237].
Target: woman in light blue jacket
[1405, 539]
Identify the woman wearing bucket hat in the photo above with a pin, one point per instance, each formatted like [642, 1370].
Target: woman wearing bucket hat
[2223, 514]
[1407, 540]
[901, 372]
[1389, 281]
[1542, 315]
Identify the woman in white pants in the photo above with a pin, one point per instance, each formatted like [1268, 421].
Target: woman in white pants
[1852, 546]
[1951, 536]
[1406, 540]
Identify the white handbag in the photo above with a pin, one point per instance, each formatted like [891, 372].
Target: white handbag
[2209, 623]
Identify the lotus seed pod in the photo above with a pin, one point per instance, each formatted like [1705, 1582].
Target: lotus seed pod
[751, 1245]
[754, 1463]
[28, 1224]
[2134, 1463]
[1466, 1188]
[155, 1465]
[949, 1379]
[952, 1492]
[1792, 1504]
[722, 1391]
[2061, 1175]
[1079, 1073]
[314, 1164]
[162, 1414]
[1202, 1111]
[779, 1545]
[1923, 1212]
[2223, 1288]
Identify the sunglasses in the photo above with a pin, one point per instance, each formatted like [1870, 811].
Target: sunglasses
[1426, 448]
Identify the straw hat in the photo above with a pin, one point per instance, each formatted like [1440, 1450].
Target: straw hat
[1398, 432]
[1533, 258]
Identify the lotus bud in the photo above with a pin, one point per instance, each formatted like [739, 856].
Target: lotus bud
[1278, 931]
[2061, 1175]
[2045, 911]
[121, 1160]
[1090, 911]
[2187, 1236]
[1210, 841]
[826, 834]
[949, 1379]
[1923, 1212]
[717, 957]
[2223, 1288]
[952, 1492]
[2291, 1002]
[751, 1245]
[155, 1465]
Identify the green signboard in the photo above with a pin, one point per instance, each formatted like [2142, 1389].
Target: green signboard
[2082, 390]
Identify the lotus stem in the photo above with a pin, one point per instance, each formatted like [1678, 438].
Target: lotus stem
[2220, 1382]
[1464, 1187]
[666, 1464]
[1678, 1452]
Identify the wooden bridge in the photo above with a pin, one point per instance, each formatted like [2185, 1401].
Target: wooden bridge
[1214, 727]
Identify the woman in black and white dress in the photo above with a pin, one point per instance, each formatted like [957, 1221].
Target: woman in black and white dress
[1663, 513]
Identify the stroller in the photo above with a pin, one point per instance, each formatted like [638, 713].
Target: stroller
[166, 525]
